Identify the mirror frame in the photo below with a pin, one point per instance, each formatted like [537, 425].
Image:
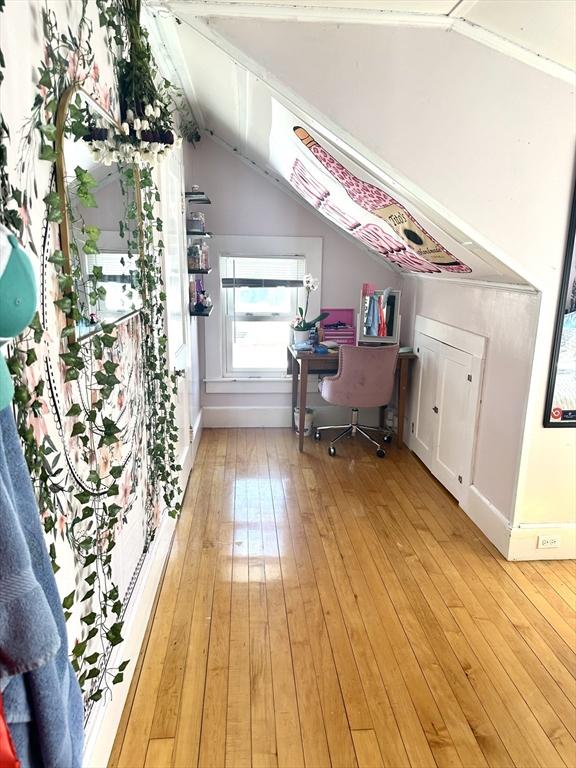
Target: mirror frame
[65, 225]
[362, 338]
[567, 270]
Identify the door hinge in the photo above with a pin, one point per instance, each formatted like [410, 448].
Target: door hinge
[435, 409]
[412, 427]
[417, 349]
[460, 479]
[469, 377]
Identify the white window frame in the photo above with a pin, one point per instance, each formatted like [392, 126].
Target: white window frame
[214, 336]
[228, 323]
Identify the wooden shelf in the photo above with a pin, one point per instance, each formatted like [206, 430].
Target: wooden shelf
[205, 312]
[200, 271]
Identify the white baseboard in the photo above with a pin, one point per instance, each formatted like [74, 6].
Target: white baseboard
[275, 416]
[524, 542]
[246, 416]
[491, 521]
[197, 433]
[103, 723]
[520, 542]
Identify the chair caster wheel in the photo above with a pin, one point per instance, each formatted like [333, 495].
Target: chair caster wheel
[317, 436]
[388, 439]
[332, 451]
[381, 453]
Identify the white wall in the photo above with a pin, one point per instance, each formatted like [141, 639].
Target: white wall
[245, 202]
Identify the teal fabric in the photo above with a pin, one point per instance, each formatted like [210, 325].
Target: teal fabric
[17, 307]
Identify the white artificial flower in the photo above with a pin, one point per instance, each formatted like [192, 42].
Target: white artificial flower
[145, 125]
[137, 124]
[314, 285]
[110, 134]
[157, 112]
[126, 129]
[149, 110]
[307, 280]
[129, 115]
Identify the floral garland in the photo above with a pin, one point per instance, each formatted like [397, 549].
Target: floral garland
[146, 135]
[98, 507]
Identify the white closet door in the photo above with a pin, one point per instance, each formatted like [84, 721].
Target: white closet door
[426, 378]
[454, 417]
[176, 287]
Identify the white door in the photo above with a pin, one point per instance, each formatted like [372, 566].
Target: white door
[425, 382]
[443, 421]
[176, 287]
[454, 419]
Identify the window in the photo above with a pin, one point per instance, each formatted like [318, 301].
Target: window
[259, 298]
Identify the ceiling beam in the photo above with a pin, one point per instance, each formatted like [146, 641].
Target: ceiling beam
[421, 14]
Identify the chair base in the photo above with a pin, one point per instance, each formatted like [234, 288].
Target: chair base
[352, 429]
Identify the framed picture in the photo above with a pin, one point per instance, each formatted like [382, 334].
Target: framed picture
[560, 408]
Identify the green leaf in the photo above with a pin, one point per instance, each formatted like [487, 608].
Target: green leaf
[78, 429]
[68, 601]
[90, 618]
[45, 80]
[47, 153]
[48, 130]
[79, 649]
[71, 374]
[57, 258]
[114, 634]
[74, 410]
[94, 477]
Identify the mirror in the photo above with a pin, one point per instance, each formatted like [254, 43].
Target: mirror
[100, 211]
[379, 320]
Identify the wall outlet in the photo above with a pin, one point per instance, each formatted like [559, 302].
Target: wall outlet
[548, 542]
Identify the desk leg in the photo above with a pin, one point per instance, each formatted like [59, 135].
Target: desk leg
[402, 392]
[302, 402]
[295, 369]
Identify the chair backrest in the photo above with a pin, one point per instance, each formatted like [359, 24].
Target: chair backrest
[365, 377]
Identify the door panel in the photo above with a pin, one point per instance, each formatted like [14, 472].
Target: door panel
[426, 382]
[453, 396]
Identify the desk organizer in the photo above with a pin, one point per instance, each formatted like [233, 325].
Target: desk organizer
[344, 334]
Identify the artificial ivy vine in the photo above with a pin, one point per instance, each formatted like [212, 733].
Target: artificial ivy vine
[91, 366]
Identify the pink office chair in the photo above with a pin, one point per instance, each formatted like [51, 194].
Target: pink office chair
[365, 379]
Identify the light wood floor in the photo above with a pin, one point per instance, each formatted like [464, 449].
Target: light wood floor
[343, 611]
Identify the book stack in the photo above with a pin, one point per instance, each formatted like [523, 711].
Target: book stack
[339, 326]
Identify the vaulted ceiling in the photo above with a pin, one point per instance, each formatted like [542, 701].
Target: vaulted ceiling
[389, 118]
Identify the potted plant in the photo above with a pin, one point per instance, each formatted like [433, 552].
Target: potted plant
[300, 325]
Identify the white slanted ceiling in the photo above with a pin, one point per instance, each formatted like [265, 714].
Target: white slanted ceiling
[447, 130]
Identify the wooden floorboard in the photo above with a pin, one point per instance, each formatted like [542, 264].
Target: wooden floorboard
[344, 611]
